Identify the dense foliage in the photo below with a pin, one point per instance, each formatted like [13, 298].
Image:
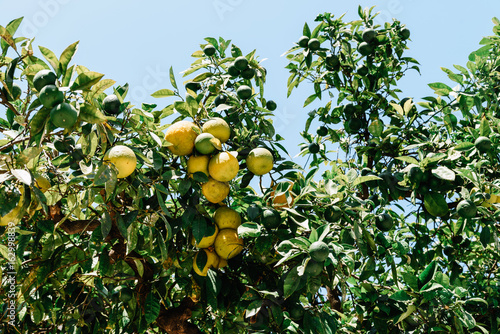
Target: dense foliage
[399, 234]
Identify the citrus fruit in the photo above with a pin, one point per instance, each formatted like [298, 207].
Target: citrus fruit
[220, 99]
[42, 183]
[244, 92]
[319, 251]
[13, 217]
[198, 164]
[260, 161]
[313, 268]
[271, 105]
[63, 115]
[466, 209]
[125, 295]
[233, 71]
[204, 260]
[303, 41]
[50, 96]
[354, 124]
[123, 158]
[362, 70]
[270, 218]
[14, 94]
[194, 86]
[281, 201]
[313, 148]
[182, 135]
[215, 191]
[435, 204]
[226, 217]
[65, 144]
[349, 109]
[384, 222]
[365, 49]
[209, 238]
[415, 174]
[332, 213]
[223, 167]
[248, 73]
[209, 50]
[222, 263]
[111, 104]
[43, 78]
[228, 244]
[332, 60]
[241, 63]
[322, 131]
[296, 311]
[218, 127]
[206, 143]
[482, 144]
[368, 35]
[404, 33]
[313, 44]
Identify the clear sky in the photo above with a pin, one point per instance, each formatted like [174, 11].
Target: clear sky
[137, 42]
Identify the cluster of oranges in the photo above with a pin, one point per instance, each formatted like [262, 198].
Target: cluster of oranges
[220, 244]
[204, 148]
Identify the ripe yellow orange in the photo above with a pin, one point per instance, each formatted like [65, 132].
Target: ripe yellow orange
[228, 244]
[260, 161]
[197, 164]
[227, 218]
[182, 135]
[211, 262]
[215, 191]
[223, 167]
[209, 238]
[219, 128]
[222, 263]
[123, 158]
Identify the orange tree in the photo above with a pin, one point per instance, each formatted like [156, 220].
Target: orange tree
[189, 218]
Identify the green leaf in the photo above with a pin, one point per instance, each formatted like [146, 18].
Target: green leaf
[202, 76]
[106, 224]
[440, 88]
[50, 56]
[444, 173]
[485, 236]
[66, 57]
[86, 80]
[249, 230]
[428, 273]
[484, 128]
[163, 93]
[408, 159]
[366, 178]
[400, 296]
[306, 31]
[435, 204]
[199, 227]
[39, 120]
[90, 114]
[464, 146]
[411, 308]
[172, 78]
[292, 281]
[376, 127]
[151, 307]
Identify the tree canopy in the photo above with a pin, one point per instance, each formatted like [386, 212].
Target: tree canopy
[190, 216]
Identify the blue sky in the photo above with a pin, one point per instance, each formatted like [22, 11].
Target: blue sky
[137, 42]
